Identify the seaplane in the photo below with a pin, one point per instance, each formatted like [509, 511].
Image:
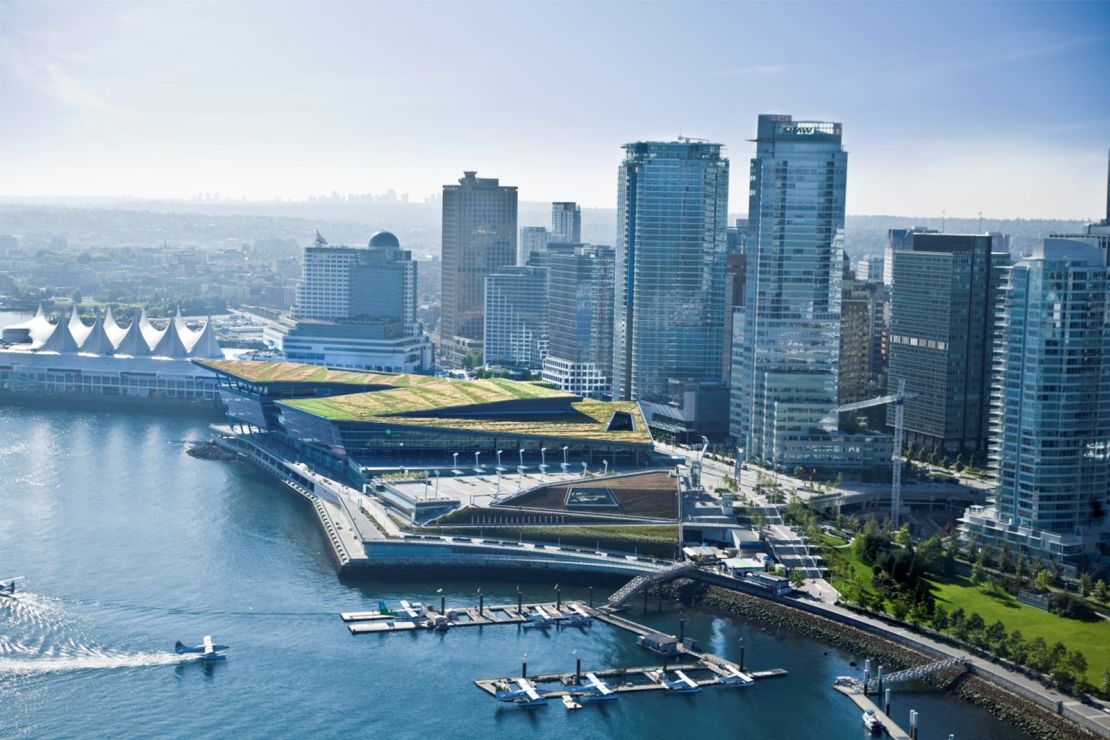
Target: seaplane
[683, 684]
[7, 587]
[524, 695]
[413, 611]
[577, 617]
[207, 650]
[538, 618]
[735, 677]
[596, 690]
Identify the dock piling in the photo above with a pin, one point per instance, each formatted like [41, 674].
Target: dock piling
[558, 599]
[442, 604]
[524, 667]
[913, 724]
[577, 670]
[519, 603]
[481, 603]
[866, 673]
[682, 631]
[591, 602]
[741, 657]
[886, 702]
[879, 675]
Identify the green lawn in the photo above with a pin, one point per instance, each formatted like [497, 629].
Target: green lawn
[1090, 638]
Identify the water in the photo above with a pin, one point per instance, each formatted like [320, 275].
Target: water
[129, 544]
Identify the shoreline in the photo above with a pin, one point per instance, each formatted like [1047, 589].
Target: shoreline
[1005, 705]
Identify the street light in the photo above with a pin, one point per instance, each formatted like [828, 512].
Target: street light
[476, 465]
[437, 484]
[565, 448]
[606, 464]
[522, 457]
[455, 466]
[499, 460]
[543, 456]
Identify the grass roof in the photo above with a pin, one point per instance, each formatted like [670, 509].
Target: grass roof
[291, 372]
[435, 395]
[589, 422]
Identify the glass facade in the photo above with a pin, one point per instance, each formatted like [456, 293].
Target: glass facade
[1052, 391]
[787, 358]
[580, 320]
[669, 288]
[516, 317]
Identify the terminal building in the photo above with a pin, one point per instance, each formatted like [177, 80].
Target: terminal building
[355, 425]
[139, 364]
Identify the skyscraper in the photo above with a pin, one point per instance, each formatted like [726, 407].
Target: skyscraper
[356, 308]
[580, 320]
[516, 317]
[941, 328]
[566, 223]
[479, 237]
[671, 218]
[1050, 441]
[533, 239]
[854, 381]
[788, 381]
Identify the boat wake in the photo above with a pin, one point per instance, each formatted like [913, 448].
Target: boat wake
[38, 636]
[88, 659]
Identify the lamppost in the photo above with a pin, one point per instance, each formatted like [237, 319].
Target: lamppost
[522, 457]
[565, 463]
[476, 465]
[543, 465]
[499, 461]
[606, 464]
[455, 464]
[437, 484]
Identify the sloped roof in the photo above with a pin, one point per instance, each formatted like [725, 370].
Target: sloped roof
[133, 343]
[151, 334]
[61, 339]
[77, 328]
[255, 371]
[115, 332]
[205, 344]
[98, 341]
[436, 395]
[172, 343]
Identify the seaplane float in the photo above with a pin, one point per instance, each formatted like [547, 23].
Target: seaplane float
[206, 651]
[682, 684]
[524, 695]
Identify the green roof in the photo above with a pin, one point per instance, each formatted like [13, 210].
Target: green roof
[291, 372]
[383, 407]
[439, 393]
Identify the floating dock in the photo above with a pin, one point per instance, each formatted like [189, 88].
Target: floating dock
[890, 727]
[561, 614]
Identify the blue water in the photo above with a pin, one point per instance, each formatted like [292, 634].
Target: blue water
[129, 544]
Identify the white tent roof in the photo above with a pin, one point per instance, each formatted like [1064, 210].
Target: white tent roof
[115, 332]
[61, 339]
[206, 345]
[151, 334]
[98, 342]
[133, 342]
[172, 343]
[78, 328]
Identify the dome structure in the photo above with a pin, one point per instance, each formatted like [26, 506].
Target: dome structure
[384, 239]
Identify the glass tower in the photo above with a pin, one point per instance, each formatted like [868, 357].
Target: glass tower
[668, 317]
[786, 389]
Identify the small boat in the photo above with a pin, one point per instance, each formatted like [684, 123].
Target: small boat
[570, 703]
[872, 722]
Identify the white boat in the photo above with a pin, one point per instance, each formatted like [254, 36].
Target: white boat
[872, 722]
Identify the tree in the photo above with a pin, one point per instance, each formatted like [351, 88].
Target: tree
[1101, 592]
[1085, 584]
[797, 579]
[899, 608]
[903, 536]
[977, 573]
[1040, 658]
[996, 635]
[929, 552]
[919, 613]
[940, 619]
[1042, 580]
[1016, 647]
[471, 360]
[956, 618]
[1106, 682]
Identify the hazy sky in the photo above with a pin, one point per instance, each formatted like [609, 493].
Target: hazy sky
[1003, 108]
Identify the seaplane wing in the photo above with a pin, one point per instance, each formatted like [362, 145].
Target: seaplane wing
[598, 685]
[208, 644]
[528, 689]
[684, 679]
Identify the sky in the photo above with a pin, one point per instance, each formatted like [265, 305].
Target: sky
[999, 108]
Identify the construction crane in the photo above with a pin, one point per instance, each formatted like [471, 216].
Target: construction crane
[899, 400]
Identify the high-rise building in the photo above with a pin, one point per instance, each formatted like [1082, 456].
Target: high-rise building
[870, 270]
[516, 317]
[736, 277]
[854, 381]
[899, 239]
[580, 320]
[941, 325]
[566, 223]
[787, 351]
[479, 238]
[1050, 439]
[668, 318]
[533, 241]
[356, 308]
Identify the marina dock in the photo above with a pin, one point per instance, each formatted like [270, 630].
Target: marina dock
[890, 727]
[683, 668]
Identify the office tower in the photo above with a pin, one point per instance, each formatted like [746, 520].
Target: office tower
[870, 270]
[941, 324]
[516, 317]
[580, 320]
[787, 353]
[566, 223]
[668, 318]
[533, 240]
[479, 238]
[899, 239]
[1050, 430]
[736, 276]
[854, 380]
[356, 307]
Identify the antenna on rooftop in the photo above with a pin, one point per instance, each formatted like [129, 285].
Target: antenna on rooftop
[980, 222]
[943, 216]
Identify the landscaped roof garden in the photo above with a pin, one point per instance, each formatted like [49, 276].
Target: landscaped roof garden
[586, 420]
[254, 371]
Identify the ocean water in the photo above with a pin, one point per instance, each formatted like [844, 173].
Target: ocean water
[127, 544]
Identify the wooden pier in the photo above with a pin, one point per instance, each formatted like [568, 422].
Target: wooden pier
[562, 614]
